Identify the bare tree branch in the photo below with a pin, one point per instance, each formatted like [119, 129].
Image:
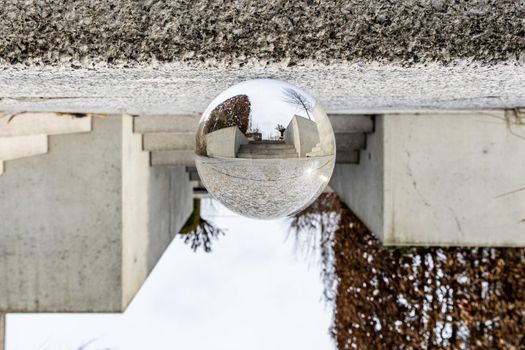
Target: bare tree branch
[294, 97]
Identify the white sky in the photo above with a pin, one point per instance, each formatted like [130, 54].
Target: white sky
[267, 106]
[253, 292]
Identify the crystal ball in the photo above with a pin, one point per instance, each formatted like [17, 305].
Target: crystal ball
[265, 149]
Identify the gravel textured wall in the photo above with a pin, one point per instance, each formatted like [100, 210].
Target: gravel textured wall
[235, 32]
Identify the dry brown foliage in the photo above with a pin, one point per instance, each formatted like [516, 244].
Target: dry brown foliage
[235, 111]
[418, 298]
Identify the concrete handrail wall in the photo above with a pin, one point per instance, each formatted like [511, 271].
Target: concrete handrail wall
[225, 142]
[303, 134]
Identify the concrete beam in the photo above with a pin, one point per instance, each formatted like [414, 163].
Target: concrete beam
[350, 141]
[166, 123]
[441, 179]
[341, 123]
[99, 219]
[173, 157]
[165, 141]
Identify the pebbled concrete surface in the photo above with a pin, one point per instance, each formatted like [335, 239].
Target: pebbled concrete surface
[237, 32]
[179, 89]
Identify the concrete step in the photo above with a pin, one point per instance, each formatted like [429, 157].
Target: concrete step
[348, 157]
[173, 157]
[267, 142]
[166, 123]
[268, 151]
[266, 156]
[193, 173]
[264, 146]
[350, 141]
[22, 146]
[351, 123]
[168, 141]
[43, 123]
[194, 176]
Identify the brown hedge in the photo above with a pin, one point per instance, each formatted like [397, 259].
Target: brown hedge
[423, 298]
[412, 297]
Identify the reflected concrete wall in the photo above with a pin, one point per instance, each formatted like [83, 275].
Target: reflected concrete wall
[225, 142]
[84, 224]
[441, 179]
[303, 134]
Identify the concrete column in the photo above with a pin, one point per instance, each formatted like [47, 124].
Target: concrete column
[84, 224]
[441, 179]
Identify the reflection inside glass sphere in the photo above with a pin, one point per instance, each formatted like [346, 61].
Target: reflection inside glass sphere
[265, 149]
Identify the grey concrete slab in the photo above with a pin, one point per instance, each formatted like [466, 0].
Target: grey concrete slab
[340, 87]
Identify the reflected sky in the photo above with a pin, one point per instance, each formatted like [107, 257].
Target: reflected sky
[268, 106]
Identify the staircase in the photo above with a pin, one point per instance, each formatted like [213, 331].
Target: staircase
[350, 135]
[267, 150]
[170, 139]
[27, 134]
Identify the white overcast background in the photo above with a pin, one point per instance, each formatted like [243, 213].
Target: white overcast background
[253, 292]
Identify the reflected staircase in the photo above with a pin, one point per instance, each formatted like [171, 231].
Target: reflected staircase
[170, 139]
[267, 150]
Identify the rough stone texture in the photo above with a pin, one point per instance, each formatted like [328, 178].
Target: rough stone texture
[269, 31]
[177, 89]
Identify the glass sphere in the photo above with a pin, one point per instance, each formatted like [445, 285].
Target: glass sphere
[265, 149]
